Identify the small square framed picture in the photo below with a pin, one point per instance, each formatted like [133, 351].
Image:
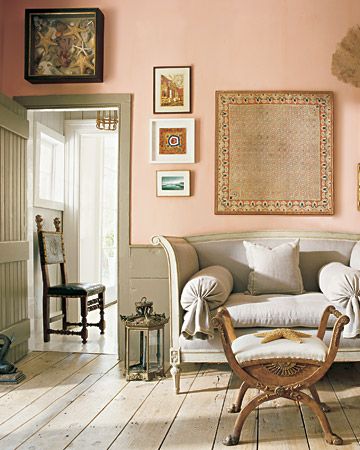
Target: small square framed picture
[172, 141]
[173, 183]
[172, 89]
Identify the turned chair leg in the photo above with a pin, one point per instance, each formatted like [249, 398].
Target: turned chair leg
[236, 406]
[63, 309]
[316, 397]
[176, 372]
[84, 313]
[330, 437]
[233, 439]
[46, 318]
[102, 323]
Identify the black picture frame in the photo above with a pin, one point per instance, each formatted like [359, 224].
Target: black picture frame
[64, 45]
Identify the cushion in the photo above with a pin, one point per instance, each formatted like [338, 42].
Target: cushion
[355, 257]
[341, 285]
[274, 271]
[249, 348]
[206, 290]
[76, 289]
[277, 310]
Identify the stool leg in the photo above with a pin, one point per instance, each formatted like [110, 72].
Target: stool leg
[102, 323]
[236, 406]
[316, 397]
[84, 313]
[330, 437]
[63, 309]
[233, 439]
[46, 318]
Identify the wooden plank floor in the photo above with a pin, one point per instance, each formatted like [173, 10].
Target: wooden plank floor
[82, 401]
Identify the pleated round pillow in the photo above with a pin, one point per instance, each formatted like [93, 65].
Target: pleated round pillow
[341, 286]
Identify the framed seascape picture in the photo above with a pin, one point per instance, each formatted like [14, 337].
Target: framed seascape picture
[173, 183]
[172, 141]
[64, 45]
[172, 89]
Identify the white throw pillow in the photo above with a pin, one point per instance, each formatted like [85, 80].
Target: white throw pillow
[341, 286]
[206, 290]
[355, 256]
[274, 271]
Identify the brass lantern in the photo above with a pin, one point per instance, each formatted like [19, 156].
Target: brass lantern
[144, 342]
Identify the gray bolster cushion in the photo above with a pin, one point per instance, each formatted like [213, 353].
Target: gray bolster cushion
[206, 290]
[341, 286]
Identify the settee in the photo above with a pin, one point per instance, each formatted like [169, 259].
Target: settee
[251, 313]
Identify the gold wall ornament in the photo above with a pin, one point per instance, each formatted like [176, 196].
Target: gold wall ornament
[346, 59]
[107, 120]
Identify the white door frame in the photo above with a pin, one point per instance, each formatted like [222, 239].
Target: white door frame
[123, 103]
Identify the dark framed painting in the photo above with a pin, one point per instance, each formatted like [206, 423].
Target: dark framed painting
[172, 89]
[64, 45]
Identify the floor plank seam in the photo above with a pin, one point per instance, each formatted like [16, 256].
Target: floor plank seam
[41, 412]
[304, 424]
[222, 409]
[180, 406]
[59, 412]
[342, 408]
[99, 412]
[44, 393]
[137, 409]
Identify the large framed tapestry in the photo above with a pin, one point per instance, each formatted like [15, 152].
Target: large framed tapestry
[274, 153]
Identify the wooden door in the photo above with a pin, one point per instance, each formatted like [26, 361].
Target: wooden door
[14, 247]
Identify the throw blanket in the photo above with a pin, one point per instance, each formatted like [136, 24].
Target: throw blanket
[341, 285]
[206, 290]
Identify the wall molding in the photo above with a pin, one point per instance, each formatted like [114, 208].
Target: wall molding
[20, 332]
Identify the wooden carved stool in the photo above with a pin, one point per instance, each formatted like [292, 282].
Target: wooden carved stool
[281, 368]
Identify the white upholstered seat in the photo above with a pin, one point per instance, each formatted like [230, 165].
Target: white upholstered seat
[249, 348]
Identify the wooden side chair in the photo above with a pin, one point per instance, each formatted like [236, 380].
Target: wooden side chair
[52, 251]
[280, 368]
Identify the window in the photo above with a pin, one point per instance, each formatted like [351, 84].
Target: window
[49, 168]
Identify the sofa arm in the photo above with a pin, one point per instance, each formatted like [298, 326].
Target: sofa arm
[183, 262]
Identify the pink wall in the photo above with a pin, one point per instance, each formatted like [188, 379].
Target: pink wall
[1, 42]
[232, 44]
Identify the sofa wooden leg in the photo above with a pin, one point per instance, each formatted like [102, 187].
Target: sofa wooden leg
[236, 406]
[175, 368]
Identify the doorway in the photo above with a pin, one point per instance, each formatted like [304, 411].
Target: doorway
[110, 235]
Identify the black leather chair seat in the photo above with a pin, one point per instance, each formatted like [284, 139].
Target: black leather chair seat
[76, 289]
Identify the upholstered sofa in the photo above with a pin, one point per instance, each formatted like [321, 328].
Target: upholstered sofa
[187, 255]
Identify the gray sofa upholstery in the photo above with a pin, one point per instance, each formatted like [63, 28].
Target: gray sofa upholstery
[187, 255]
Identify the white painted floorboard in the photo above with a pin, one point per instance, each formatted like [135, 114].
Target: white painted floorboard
[82, 401]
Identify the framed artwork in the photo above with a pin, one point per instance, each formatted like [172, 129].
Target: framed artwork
[64, 45]
[274, 153]
[172, 141]
[172, 89]
[173, 183]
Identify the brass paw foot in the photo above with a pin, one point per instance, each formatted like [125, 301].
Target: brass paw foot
[333, 439]
[233, 409]
[231, 440]
[324, 407]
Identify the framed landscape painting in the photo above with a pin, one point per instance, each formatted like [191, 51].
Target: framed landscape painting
[173, 183]
[64, 45]
[172, 89]
[172, 141]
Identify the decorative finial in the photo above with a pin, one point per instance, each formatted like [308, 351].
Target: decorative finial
[57, 223]
[39, 222]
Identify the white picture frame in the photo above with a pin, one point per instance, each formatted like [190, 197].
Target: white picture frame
[172, 141]
[173, 183]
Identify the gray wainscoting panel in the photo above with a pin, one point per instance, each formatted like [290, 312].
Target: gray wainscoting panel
[148, 278]
[14, 247]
